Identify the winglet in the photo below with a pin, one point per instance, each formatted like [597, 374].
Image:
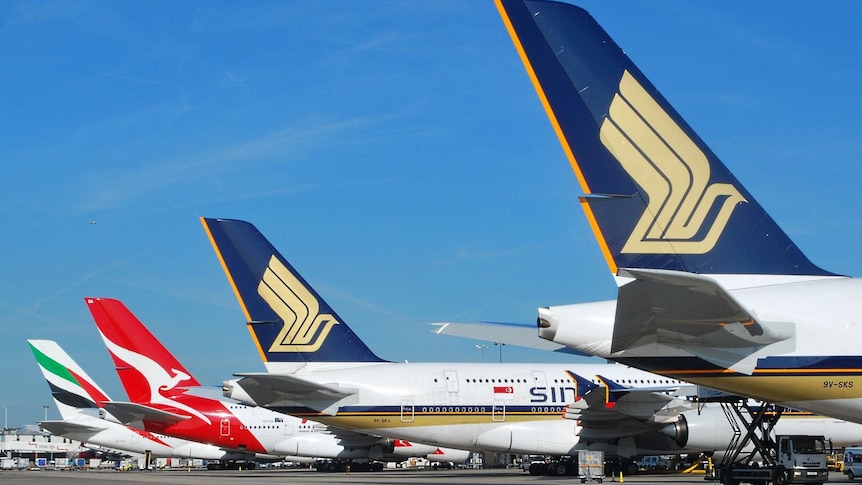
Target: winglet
[614, 390]
[582, 385]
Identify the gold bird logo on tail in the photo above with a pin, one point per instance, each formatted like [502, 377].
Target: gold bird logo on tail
[671, 169]
[305, 328]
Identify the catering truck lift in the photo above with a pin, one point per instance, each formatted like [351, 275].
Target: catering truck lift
[781, 459]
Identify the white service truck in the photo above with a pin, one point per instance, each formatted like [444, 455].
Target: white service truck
[793, 459]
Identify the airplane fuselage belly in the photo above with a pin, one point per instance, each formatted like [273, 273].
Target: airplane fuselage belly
[529, 436]
[120, 437]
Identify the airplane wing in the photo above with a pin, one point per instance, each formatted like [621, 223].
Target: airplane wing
[61, 428]
[273, 390]
[519, 334]
[128, 413]
[351, 438]
[611, 411]
[691, 312]
[632, 414]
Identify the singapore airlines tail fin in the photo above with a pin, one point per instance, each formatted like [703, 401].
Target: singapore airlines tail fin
[294, 329]
[656, 196]
[73, 390]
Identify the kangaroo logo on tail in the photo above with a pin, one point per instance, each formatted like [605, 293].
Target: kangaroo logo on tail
[159, 379]
[671, 169]
[305, 328]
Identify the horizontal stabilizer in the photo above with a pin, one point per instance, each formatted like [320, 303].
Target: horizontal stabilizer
[273, 390]
[61, 428]
[519, 334]
[691, 312]
[128, 412]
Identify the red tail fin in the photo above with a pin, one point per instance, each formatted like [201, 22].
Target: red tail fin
[146, 368]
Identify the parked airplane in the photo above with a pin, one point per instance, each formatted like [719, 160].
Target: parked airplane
[157, 382]
[712, 290]
[321, 370]
[80, 403]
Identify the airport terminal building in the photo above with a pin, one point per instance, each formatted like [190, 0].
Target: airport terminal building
[20, 448]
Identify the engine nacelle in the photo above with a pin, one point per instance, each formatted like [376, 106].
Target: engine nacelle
[209, 452]
[318, 446]
[707, 430]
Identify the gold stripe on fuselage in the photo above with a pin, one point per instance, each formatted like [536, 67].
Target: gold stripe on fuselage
[395, 420]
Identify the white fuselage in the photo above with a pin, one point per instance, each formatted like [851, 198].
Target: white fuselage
[493, 407]
[108, 434]
[283, 435]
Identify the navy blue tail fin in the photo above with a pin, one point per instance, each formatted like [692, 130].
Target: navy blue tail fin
[656, 195]
[287, 319]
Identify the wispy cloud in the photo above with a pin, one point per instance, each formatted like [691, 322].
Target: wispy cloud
[337, 294]
[33, 312]
[283, 145]
[137, 80]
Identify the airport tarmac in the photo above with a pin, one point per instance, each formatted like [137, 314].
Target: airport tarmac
[263, 477]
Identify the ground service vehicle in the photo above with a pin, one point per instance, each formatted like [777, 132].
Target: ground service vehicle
[853, 462]
[790, 459]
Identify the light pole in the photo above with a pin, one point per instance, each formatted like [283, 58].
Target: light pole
[501, 349]
[482, 347]
[46, 411]
[5, 417]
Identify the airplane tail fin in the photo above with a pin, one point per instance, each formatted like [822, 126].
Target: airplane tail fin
[656, 196]
[293, 328]
[73, 390]
[148, 371]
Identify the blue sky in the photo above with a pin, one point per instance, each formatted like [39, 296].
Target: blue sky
[395, 152]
